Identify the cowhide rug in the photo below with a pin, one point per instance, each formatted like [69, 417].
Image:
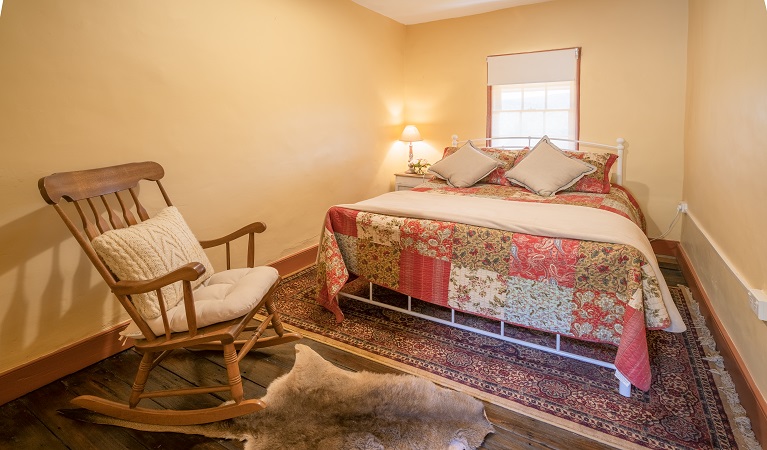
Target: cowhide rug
[320, 406]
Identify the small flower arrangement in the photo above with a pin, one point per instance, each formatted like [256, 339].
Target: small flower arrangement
[419, 166]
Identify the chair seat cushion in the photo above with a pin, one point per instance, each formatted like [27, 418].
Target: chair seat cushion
[224, 296]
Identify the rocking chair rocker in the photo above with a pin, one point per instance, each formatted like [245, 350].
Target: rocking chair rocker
[163, 279]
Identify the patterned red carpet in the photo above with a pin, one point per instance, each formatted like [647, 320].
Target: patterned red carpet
[683, 409]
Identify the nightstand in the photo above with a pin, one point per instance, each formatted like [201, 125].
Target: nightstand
[406, 181]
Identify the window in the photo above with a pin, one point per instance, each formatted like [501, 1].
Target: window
[533, 94]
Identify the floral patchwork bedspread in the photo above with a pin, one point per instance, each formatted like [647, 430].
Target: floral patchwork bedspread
[594, 291]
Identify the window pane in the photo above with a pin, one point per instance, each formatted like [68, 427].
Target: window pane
[534, 98]
[564, 145]
[558, 98]
[497, 95]
[558, 124]
[511, 98]
[534, 109]
[532, 123]
[508, 124]
[513, 143]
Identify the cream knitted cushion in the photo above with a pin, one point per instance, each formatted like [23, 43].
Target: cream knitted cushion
[150, 249]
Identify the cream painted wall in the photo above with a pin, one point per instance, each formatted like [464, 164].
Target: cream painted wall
[267, 111]
[632, 82]
[233, 100]
[725, 163]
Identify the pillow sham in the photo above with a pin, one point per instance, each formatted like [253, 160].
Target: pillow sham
[545, 170]
[150, 249]
[506, 157]
[465, 167]
[597, 182]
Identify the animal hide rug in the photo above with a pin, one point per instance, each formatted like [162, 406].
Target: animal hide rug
[320, 406]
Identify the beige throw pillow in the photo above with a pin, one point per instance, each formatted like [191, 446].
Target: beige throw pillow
[546, 170]
[464, 167]
[150, 249]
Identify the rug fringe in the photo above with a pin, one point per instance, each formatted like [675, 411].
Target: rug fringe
[725, 384]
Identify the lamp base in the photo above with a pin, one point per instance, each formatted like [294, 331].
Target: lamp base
[410, 160]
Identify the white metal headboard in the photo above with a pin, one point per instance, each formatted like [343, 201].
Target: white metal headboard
[618, 149]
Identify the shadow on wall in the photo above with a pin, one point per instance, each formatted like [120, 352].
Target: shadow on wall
[33, 248]
[640, 190]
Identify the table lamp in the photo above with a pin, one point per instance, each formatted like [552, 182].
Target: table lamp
[410, 134]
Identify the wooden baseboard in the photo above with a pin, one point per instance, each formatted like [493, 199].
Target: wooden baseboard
[749, 394]
[35, 374]
[297, 261]
[663, 247]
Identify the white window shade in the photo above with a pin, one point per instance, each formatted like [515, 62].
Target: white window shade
[533, 94]
[537, 67]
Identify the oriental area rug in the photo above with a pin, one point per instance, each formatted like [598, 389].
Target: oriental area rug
[691, 403]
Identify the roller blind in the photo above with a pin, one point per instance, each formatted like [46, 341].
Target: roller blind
[536, 67]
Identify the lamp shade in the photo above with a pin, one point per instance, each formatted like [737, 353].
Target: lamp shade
[410, 134]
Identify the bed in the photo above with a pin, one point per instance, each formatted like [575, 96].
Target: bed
[574, 262]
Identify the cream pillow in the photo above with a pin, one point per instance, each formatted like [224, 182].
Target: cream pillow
[464, 167]
[150, 249]
[546, 170]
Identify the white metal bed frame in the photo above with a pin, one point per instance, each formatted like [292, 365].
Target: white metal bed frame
[624, 385]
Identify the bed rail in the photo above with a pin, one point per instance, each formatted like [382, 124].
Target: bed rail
[624, 385]
[619, 148]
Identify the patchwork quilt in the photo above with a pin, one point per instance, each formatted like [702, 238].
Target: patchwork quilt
[596, 291]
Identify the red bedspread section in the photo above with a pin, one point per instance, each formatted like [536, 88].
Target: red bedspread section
[587, 290]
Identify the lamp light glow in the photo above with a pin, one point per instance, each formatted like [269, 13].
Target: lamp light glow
[410, 134]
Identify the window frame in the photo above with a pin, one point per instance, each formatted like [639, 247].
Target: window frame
[577, 81]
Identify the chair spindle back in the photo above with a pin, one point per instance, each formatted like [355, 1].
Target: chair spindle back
[93, 189]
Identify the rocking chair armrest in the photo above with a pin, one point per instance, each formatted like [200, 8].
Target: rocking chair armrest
[188, 272]
[255, 227]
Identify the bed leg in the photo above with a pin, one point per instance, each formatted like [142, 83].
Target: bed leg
[625, 385]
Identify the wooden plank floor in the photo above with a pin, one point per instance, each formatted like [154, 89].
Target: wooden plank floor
[32, 421]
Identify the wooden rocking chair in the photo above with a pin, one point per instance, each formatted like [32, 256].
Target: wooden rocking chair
[209, 315]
